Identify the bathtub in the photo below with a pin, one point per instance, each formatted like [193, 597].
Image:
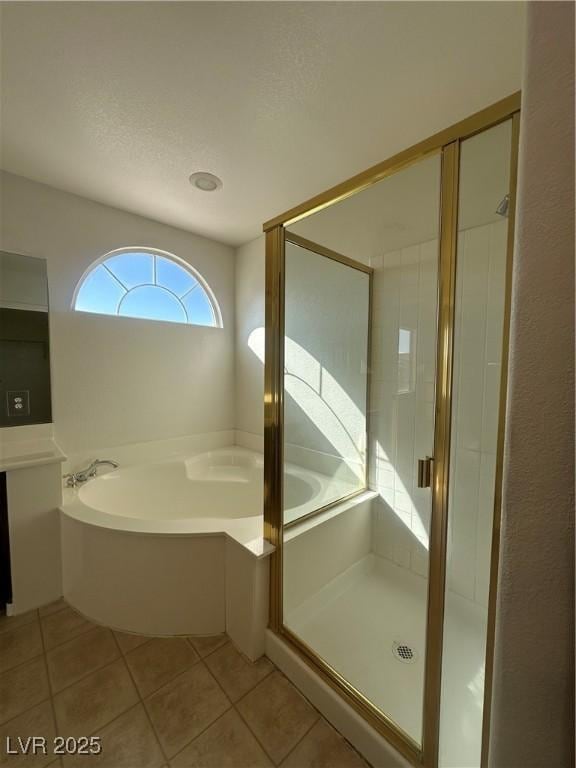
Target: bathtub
[175, 545]
[219, 491]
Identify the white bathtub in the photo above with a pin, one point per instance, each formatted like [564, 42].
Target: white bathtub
[175, 545]
[219, 491]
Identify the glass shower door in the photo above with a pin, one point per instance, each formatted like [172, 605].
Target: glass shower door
[484, 211]
[325, 378]
[360, 318]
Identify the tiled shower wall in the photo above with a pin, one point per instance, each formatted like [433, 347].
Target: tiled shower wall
[477, 365]
[401, 424]
[402, 403]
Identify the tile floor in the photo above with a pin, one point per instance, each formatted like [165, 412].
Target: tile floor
[154, 702]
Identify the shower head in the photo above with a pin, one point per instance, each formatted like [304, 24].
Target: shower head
[503, 205]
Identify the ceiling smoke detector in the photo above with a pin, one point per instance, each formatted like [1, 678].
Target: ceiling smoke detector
[205, 182]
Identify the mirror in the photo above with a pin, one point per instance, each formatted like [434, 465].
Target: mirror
[24, 341]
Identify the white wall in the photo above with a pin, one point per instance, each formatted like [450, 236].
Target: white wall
[316, 555]
[533, 697]
[250, 308]
[34, 495]
[23, 282]
[120, 380]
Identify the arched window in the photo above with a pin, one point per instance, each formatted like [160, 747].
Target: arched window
[149, 284]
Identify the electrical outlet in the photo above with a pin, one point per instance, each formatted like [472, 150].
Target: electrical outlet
[18, 402]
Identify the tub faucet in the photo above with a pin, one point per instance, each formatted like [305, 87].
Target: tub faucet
[83, 475]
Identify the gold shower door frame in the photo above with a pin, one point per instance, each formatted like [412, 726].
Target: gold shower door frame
[447, 144]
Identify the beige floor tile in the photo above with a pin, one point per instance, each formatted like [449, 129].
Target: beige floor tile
[20, 644]
[127, 742]
[207, 644]
[22, 688]
[158, 661]
[54, 607]
[277, 714]
[323, 747]
[38, 721]
[184, 707]
[75, 659]
[85, 707]
[228, 743]
[127, 641]
[235, 673]
[12, 622]
[62, 626]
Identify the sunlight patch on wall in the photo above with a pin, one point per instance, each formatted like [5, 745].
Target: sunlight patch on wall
[317, 393]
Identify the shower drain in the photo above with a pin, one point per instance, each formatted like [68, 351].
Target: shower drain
[404, 652]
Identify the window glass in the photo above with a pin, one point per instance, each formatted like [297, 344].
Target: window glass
[146, 285]
[198, 305]
[132, 269]
[99, 293]
[153, 303]
[171, 275]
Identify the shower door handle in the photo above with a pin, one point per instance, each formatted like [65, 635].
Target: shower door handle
[425, 472]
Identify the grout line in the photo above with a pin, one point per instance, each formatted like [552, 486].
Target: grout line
[87, 674]
[101, 728]
[120, 714]
[203, 731]
[213, 676]
[125, 653]
[53, 613]
[108, 722]
[247, 724]
[319, 714]
[235, 708]
[21, 663]
[270, 671]
[4, 723]
[209, 724]
[141, 701]
[348, 743]
[230, 708]
[168, 680]
[83, 632]
[35, 655]
[300, 740]
[50, 690]
[254, 735]
[226, 642]
[8, 628]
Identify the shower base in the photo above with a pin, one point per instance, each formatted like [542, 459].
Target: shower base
[369, 624]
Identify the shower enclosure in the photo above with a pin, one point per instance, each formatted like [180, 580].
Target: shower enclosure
[387, 310]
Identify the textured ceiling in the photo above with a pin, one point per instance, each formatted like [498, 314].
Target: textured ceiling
[120, 102]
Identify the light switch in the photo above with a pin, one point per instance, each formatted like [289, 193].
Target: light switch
[18, 402]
